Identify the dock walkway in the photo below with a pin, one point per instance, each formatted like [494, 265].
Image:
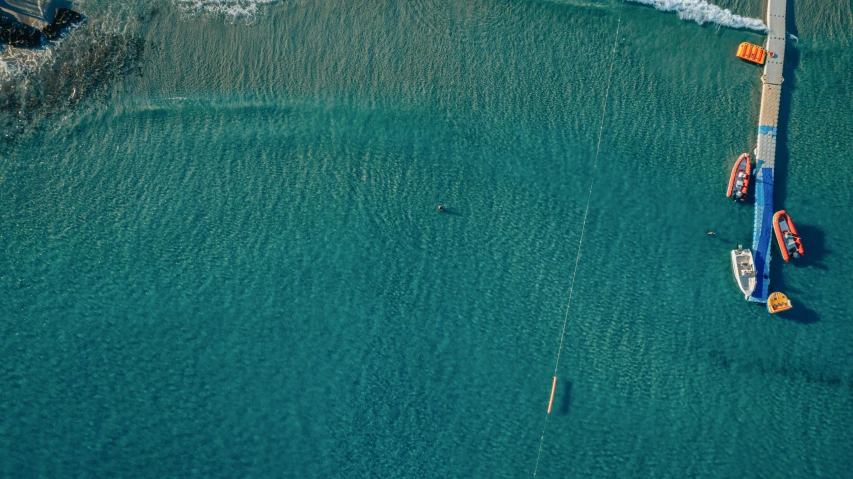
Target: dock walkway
[768, 122]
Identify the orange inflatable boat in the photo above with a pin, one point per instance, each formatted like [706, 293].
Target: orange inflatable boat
[739, 181]
[789, 241]
[751, 53]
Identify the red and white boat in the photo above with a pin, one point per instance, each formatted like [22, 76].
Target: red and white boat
[789, 241]
[739, 181]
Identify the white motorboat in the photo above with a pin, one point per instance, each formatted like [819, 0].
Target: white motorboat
[743, 267]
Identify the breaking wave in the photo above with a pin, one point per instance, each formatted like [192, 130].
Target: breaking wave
[703, 12]
[232, 9]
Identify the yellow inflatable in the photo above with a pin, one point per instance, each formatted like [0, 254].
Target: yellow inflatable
[778, 302]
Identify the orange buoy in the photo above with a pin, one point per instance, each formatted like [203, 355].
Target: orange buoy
[553, 388]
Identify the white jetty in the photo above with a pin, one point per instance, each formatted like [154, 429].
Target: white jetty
[768, 121]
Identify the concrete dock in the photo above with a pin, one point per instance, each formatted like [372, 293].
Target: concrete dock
[765, 153]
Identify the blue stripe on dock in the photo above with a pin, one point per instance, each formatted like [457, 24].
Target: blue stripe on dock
[762, 233]
[765, 129]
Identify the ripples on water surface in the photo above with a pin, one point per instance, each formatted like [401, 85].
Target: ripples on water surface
[222, 255]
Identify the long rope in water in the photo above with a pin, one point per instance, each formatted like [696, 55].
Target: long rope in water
[580, 241]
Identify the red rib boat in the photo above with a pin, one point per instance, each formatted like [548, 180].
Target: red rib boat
[789, 241]
[739, 182]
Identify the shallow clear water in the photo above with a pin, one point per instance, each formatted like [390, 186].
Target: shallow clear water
[221, 254]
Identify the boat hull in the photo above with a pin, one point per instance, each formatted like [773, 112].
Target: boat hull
[743, 267]
[781, 223]
[744, 164]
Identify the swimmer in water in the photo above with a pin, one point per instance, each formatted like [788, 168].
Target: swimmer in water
[440, 207]
[711, 233]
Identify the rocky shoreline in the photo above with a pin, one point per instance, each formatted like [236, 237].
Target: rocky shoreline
[18, 34]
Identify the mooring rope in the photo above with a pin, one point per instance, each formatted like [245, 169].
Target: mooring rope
[580, 241]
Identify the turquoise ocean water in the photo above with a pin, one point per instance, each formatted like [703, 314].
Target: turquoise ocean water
[220, 254]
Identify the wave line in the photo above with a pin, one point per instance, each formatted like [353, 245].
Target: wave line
[703, 12]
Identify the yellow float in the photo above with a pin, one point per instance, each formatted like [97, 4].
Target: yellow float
[778, 302]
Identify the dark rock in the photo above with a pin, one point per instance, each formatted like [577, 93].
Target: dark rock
[63, 18]
[17, 34]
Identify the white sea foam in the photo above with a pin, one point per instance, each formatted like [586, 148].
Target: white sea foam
[232, 9]
[703, 12]
[19, 62]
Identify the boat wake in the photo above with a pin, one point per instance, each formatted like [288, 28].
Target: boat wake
[231, 9]
[703, 12]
